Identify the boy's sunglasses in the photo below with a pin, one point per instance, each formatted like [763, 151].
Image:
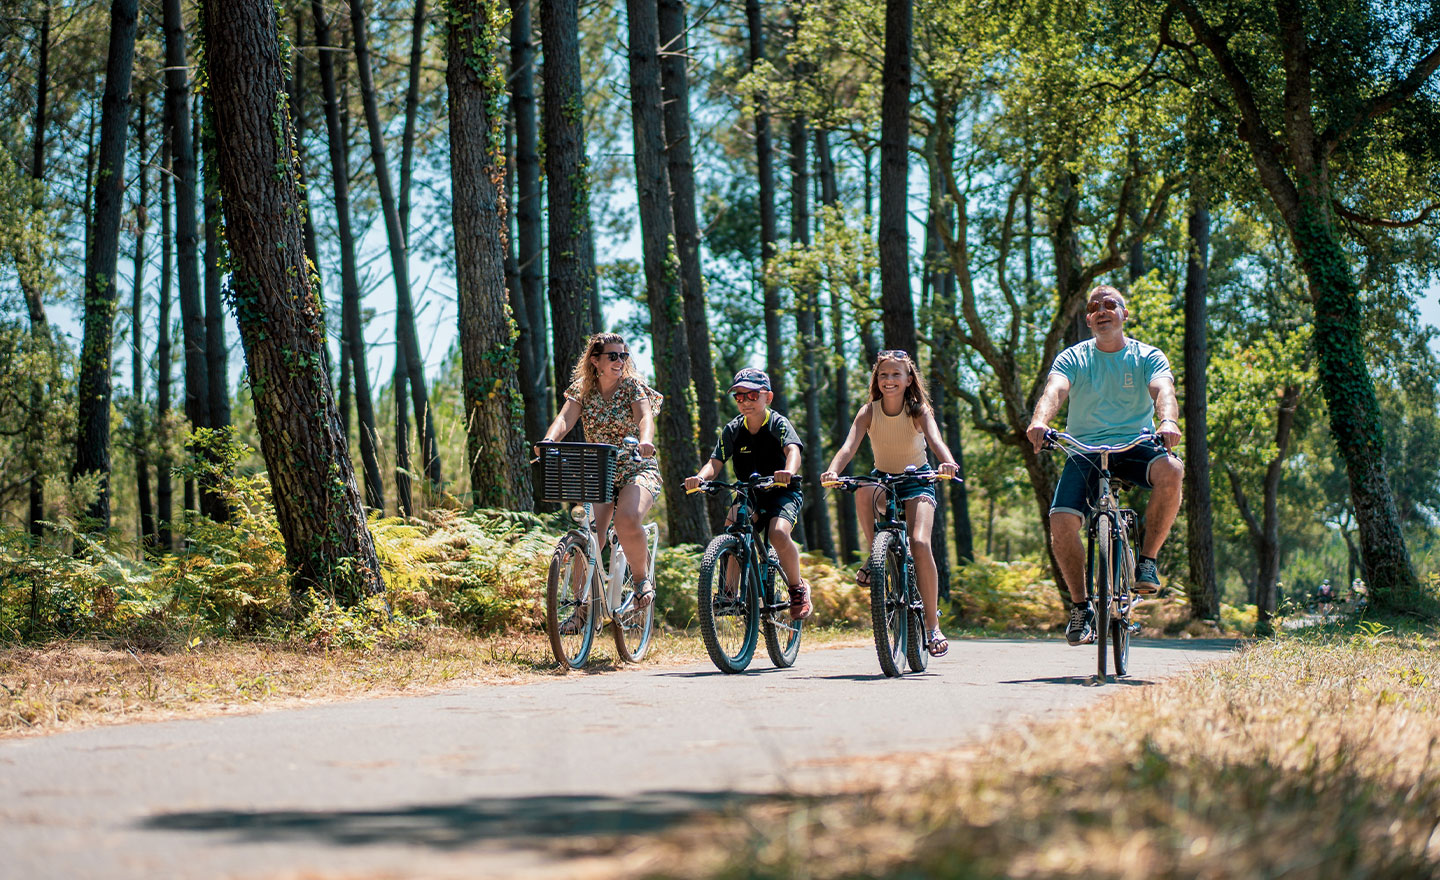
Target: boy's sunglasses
[746, 396]
[1110, 305]
[615, 355]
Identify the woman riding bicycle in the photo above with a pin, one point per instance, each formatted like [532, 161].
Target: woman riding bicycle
[611, 402]
[899, 422]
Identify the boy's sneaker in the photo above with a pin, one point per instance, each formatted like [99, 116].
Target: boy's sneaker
[1147, 577]
[1080, 630]
[800, 606]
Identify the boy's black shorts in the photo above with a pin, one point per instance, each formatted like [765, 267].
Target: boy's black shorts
[782, 503]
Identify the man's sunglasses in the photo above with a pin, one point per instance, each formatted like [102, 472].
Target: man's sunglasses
[746, 396]
[1109, 305]
[615, 355]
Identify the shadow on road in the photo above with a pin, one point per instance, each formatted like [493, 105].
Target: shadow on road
[1081, 680]
[529, 820]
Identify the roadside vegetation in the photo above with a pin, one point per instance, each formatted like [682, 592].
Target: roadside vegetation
[1307, 755]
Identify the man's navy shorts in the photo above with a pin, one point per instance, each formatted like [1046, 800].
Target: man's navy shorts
[1080, 480]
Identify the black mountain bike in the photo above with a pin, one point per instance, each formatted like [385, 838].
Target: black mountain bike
[737, 594]
[896, 612]
[1109, 556]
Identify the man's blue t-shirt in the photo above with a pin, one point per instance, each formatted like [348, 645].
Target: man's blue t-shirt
[1109, 390]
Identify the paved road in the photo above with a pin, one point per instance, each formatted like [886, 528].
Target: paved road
[497, 780]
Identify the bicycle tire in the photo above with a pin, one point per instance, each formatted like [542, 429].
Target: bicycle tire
[632, 628]
[1124, 580]
[571, 650]
[888, 605]
[1104, 570]
[729, 624]
[782, 632]
[915, 651]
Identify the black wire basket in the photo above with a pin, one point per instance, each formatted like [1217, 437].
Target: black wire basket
[576, 472]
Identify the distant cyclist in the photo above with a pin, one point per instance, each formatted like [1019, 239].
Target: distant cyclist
[1117, 386]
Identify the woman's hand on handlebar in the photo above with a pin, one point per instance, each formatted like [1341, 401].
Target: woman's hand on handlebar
[646, 449]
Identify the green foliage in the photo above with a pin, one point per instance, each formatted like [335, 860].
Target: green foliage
[1007, 596]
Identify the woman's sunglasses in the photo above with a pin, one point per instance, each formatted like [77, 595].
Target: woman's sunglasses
[746, 396]
[614, 355]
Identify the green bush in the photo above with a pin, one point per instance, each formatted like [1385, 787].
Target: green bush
[1007, 596]
[677, 573]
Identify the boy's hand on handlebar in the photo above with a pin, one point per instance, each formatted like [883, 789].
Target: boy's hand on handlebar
[692, 483]
[782, 477]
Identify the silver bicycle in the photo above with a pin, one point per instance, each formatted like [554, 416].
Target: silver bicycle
[580, 593]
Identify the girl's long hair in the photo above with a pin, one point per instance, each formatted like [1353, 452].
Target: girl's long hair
[917, 402]
[584, 376]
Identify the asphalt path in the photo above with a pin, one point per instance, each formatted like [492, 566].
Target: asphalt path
[501, 780]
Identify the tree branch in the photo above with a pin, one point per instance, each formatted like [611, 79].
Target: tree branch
[1366, 220]
[1382, 104]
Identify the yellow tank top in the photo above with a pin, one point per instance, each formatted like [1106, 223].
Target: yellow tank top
[894, 440]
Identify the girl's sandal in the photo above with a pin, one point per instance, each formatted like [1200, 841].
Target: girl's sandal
[862, 577]
[939, 645]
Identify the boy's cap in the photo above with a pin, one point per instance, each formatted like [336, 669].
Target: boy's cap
[751, 378]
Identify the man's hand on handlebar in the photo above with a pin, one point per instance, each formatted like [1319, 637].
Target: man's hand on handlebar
[1036, 433]
[1169, 433]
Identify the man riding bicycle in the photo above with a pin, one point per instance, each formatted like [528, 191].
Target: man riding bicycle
[1117, 386]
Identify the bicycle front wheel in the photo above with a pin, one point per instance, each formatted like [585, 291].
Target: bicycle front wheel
[782, 632]
[1124, 586]
[1104, 572]
[632, 626]
[889, 604]
[916, 653]
[729, 622]
[570, 605]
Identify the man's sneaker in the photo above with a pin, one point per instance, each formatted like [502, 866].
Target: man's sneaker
[1147, 577]
[1079, 630]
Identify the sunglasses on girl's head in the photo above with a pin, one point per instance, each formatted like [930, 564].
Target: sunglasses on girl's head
[893, 354]
[615, 355]
[1109, 305]
[746, 396]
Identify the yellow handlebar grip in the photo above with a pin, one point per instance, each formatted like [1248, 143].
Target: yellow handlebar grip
[944, 476]
[831, 485]
[693, 491]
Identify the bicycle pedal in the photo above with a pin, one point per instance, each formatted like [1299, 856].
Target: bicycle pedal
[1134, 628]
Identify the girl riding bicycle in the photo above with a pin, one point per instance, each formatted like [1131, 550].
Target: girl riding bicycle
[899, 421]
[611, 402]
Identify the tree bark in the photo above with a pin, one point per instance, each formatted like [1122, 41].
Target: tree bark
[34, 300]
[567, 182]
[146, 526]
[93, 387]
[412, 111]
[769, 227]
[182, 156]
[217, 352]
[499, 460]
[674, 56]
[830, 198]
[408, 338]
[528, 301]
[663, 285]
[164, 486]
[349, 274]
[1200, 541]
[897, 312]
[317, 503]
[807, 312]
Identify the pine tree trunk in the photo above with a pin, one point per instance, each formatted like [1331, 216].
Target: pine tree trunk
[942, 371]
[663, 286]
[408, 338]
[317, 503]
[567, 187]
[146, 530]
[93, 387]
[807, 312]
[164, 486]
[769, 227]
[499, 460]
[349, 274]
[830, 198]
[217, 352]
[1200, 542]
[412, 110]
[528, 299]
[34, 301]
[187, 237]
[897, 313]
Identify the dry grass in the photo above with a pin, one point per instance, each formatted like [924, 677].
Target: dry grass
[1302, 757]
[70, 685]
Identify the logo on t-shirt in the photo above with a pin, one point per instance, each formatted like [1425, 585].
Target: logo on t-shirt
[1129, 380]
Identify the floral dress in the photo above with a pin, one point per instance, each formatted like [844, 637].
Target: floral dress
[611, 421]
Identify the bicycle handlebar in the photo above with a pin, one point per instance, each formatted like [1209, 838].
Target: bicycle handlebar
[755, 481]
[850, 484]
[1065, 442]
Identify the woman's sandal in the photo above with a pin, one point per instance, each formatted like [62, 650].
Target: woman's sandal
[939, 645]
[644, 594]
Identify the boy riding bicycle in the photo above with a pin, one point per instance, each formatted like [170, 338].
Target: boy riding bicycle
[1116, 387]
[762, 441]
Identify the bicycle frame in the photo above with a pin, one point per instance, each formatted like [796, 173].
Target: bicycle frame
[610, 582]
[753, 537]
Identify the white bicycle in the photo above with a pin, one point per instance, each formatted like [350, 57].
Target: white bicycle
[580, 594]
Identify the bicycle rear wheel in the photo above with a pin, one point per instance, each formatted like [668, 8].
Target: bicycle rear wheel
[632, 626]
[570, 605]
[916, 653]
[729, 620]
[1104, 571]
[782, 632]
[889, 607]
